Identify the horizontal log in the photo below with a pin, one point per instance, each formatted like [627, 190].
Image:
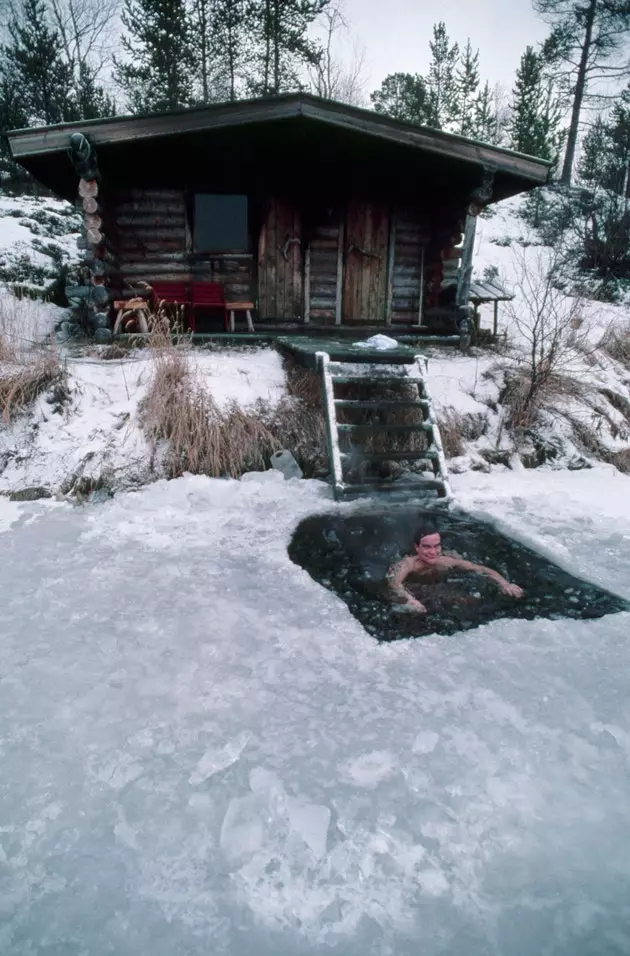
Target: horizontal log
[88, 187]
[92, 221]
[151, 249]
[158, 270]
[133, 195]
[94, 236]
[78, 291]
[136, 222]
[90, 204]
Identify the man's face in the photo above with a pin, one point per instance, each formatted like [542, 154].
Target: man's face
[429, 548]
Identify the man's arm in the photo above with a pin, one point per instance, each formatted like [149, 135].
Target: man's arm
[396, 577]
[513, 590]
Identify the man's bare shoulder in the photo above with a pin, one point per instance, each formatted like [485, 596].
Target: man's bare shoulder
[447, 561]
[404, 566]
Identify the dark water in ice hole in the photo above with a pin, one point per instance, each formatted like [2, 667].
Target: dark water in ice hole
[350, 555]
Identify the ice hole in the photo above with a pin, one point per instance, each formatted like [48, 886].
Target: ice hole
[351, 555]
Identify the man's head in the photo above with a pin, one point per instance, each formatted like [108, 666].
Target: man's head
[428, 544]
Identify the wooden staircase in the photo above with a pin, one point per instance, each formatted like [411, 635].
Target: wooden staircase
[406, 388]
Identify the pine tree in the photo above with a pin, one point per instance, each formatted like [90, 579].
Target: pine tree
[32, 65]
[486, 122]
[535, 115]
[159, 75]
[282, 46]
[441, 78]
[90, 100]
[584, 38]
[466, 87]
[13, 115]
[403, 96]
[219, 43]
[595, 159]
[230, 31]
[620, 145]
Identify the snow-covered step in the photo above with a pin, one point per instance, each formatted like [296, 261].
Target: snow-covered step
[430, 456]
[382, 406]
[390, 429]
[375, 376]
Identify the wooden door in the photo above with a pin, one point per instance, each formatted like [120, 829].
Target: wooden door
[324, 267]
[280, 261]
[365, 283]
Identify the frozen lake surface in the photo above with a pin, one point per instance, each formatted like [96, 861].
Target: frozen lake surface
[203, 751]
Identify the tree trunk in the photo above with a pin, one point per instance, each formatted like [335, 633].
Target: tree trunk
[580, 89]
[276, 48]
[267, 46]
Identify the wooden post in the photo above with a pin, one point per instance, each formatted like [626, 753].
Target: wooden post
[391, 258]
[495, 319]
[307, 284]
[421, 296]
[339, 289]
[465, 274]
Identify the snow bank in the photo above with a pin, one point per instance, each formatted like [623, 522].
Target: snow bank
[204, 752]
[96, 435]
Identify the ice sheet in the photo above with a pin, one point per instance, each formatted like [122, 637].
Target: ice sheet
[203, 752]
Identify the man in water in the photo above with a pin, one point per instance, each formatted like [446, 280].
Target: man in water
[430, 565]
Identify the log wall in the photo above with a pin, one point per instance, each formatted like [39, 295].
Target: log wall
[410, 233]
[152, 241]
[362, 262]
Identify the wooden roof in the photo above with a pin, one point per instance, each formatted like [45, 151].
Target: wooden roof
[42, 150]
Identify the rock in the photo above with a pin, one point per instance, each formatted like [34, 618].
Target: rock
[30, 494]
[71, 330]
[578, 463]
[103, 336]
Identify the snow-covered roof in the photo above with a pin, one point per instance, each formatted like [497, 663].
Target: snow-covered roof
[487, 290]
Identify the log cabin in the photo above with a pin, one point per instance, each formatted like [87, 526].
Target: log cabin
[315, 214]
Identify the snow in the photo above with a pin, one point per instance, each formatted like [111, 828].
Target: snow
[203, 751]
[35, 235]
[98, 434]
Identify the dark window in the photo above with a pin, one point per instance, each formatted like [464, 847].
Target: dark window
[220, 223]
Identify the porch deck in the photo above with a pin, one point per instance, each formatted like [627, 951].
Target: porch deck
[305, 348]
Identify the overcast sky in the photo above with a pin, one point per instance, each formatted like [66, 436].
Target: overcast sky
[396, 33]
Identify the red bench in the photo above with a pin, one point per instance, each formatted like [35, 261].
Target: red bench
[201, 295]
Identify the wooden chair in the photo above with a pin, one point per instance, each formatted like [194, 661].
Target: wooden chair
[232, 308]
[207, 295]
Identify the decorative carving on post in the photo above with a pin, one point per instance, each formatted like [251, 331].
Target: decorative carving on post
[90, 296]
[477, 200]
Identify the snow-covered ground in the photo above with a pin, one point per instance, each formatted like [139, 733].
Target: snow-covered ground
[97, 435]
[204, 752]
[37, 235]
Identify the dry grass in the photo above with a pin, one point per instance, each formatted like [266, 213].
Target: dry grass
[616, 344]
[621, 460]
[522, 406]
[196, 435]
[451, 426]
[26, 368]
[619, 402]
[21, 384]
